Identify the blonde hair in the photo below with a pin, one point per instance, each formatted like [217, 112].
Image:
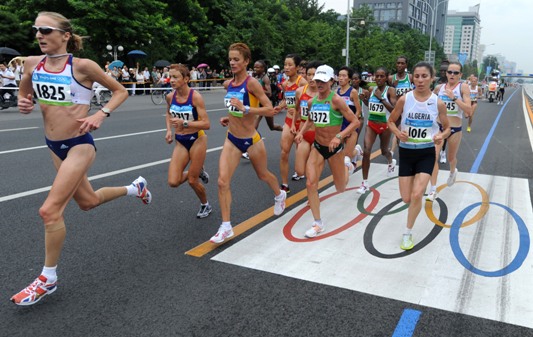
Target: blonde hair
[75, 42]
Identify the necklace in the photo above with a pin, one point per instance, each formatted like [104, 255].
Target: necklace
[57, 55]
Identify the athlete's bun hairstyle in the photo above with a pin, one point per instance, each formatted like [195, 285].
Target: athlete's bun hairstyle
[297, 59]
[75, 42]
[348, 69]
[243, 49]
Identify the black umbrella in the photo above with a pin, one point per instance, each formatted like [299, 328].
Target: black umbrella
[9, 51]
[161, 63]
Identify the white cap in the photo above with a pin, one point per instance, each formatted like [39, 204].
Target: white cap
[276, 67]
[324, 73]
[271, 70]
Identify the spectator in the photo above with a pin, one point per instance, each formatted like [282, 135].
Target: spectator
[209, 77]
[133, 79]
[146, 75]
[139, 78]
[194, 77]
[202, 76]
[125, 77]
[155, 77]
[8, 80]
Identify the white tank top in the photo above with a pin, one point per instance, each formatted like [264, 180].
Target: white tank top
[452, 108]
[419, 119]
[59, 88]
[473, 93]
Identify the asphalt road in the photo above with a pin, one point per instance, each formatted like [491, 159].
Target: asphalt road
[123, 270]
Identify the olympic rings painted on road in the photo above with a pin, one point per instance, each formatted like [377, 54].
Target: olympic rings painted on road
[361, 201]
[369, 232]
[287, 230]
[521, 254]
[482, 211]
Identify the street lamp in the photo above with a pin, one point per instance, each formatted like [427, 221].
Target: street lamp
[348, 20]
[432, 28]
[114, 49]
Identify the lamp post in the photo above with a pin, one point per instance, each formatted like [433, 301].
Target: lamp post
[432, 28]
[348, 20]
[113, 50]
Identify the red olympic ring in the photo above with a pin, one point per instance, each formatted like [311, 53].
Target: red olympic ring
[287, 230]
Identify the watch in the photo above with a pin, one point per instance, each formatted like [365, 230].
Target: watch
[246, 109]
[338, 136]
[454, 98]
[107, 111]
[185, 124]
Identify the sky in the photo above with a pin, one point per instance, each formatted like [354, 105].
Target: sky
[505, 24]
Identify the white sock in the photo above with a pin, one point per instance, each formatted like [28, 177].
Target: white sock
[407, 231]
[319, 222]
[365, 182]
[433, 188]
[279, 196]
[206, 204]
[50, 273]
[132, 190]
[226, 225]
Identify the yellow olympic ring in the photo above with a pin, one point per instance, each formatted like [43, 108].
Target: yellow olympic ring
[482, 210]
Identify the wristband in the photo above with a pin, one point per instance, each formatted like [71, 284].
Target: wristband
[107, 111]
[246, 109]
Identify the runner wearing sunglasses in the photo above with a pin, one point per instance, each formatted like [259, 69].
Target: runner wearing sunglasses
[62, 84]
[456, 96]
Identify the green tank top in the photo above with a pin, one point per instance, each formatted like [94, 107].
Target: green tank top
[322, 113]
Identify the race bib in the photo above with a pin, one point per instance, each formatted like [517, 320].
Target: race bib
[419, 131]
[401, 91]
[183, 112]
[304, 110]
[319, 114]
[377, 111]
[231, 109]
[451, 107]
[290, 99]
[52, 89]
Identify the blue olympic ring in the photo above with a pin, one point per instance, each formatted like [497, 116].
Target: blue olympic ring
[521, 254]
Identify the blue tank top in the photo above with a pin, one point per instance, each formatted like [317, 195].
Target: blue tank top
[242, 94]
[184, 110]
[346, 98]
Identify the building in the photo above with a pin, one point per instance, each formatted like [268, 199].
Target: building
[416, 13]
[463, 34]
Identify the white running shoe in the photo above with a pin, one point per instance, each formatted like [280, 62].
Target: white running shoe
[314, 231]
[142, 191]
[222, 235]
[245, 155]
[390, 168]
[442, 157]
[363, 189]
[204, 211]
[279, 203]
[204, 176]
[452, 177]
[432, 195]
[296, 177]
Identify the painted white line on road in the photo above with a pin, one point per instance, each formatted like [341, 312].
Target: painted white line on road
[20, 129]
[98, 176]
[96, 139]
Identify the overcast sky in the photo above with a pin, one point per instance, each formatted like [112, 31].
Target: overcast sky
[504, 23]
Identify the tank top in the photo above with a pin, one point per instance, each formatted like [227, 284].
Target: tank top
[346, 98]
[403, 86]
[184, 110]
[304, 110]
[59, 88]
[377, 112]
[290, 93]
[419, 119]
[473, 93]
[322, 113]
[452, 108]
[242, 94]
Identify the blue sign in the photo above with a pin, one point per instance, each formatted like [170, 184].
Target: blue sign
[462, 58]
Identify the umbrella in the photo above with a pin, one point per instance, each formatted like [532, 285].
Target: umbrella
[8, 51]
[137, 53]
[161, 63]
[116, 63]
[202, 65]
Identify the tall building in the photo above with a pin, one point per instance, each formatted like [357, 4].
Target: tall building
[416, 13]
[463, 34]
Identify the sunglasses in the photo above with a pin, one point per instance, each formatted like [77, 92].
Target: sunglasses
[453, 72]
[45, 30]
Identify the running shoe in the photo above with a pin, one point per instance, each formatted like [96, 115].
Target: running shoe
[359, 155]
[285, 188]
[204, 211]
[222, 235]
[245, 155]
[452, 177]
[390, 168]
[348, 163]
[142, 191]
[442, 157]
[34, 292]
[468, 129]
[407, 242]
[363, 189]
[296, 177]
[204, 176]
[314, 231]
[431, 196]
[279, 202]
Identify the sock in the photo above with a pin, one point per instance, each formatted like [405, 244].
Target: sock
[407, 231]
[132, 190]
[226, 225]
[279, 196]
[365, 182]
[433, 188]
[206, 204]
[319, 222]
[50, 273]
